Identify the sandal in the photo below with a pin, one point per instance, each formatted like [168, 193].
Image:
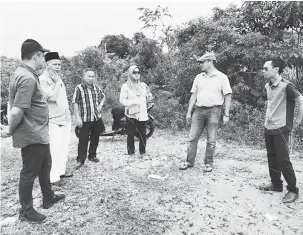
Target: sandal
[185, 166]
[208, 168]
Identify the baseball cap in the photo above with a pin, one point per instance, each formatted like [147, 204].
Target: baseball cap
[30, 46]
[207, 56]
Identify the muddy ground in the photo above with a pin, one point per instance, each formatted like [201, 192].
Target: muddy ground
[133, 195]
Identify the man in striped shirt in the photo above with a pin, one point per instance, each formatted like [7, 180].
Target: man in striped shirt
[88, 101]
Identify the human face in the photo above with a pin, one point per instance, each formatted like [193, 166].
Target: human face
[89, 77]
[204, 65]
[136, 74]
[54, 65]
[269, 71]
[40, 61]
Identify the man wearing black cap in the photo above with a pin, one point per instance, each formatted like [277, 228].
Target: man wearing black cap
[28, 125]
[59, 115]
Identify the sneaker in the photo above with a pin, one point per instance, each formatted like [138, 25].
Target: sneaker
[208, 168]
[32, 216]
[185, 166]
[56, 199]
[290, 197]
[271, 187]
[93, 159]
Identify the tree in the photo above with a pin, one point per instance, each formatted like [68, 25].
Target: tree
[118, 44]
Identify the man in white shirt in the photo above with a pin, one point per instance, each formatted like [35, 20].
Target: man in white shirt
[210, 90]
[59, 116]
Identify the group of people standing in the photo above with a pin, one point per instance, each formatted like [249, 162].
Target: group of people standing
[40, 121]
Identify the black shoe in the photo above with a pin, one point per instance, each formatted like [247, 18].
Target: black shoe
[93, 159]
[32, 216]
[66, 175]
[79, 164]
[271, 187]
[56, 199]
[57, 183]
[290, 197]
[185, 166]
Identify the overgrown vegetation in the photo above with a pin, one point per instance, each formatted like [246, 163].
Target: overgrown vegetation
[243, 38]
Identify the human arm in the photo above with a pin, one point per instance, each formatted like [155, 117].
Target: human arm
[101, 101]
[149, 95]
[192, 102]
[227, 102]
[76, 100]
[299, 116]
[226, 91]
[77, 116]
[16, 115]
[124, 97]
[51, 93]
[22, 100]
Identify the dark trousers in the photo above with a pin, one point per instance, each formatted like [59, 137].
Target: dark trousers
[133, 126]
[278, 160]
[37, 162]
[89, 130]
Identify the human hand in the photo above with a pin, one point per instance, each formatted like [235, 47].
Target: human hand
[225, 119]
[296, 124]
[188, 118]
[78, 122]
[100, 107]
[5, 134]
[54, 76]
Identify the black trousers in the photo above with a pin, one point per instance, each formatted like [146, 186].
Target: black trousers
[92, 130]
[278, 160]
[133, 126]
[37, 162]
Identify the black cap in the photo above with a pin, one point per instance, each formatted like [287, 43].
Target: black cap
[51, 56]
[30, 46]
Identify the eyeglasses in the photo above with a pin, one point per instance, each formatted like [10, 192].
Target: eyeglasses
[136, 72]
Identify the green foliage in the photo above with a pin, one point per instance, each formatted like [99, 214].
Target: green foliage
[147, 54]
[8, 66]
[118, 44]
[243, 39]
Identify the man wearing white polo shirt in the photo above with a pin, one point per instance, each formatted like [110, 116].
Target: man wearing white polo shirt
[210, 90]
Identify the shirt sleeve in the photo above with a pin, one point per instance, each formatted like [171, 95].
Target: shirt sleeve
[194, 88]
[76, 96]
[292, 91]
[149, 95]
[101, 93]
[25, 90]
[123, 95]
[226, 89]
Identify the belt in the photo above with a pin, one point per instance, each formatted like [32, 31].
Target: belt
[204, 107]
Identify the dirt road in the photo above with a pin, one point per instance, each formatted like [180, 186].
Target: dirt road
[133, 195]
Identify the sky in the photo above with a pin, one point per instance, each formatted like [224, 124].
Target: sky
[70, 26]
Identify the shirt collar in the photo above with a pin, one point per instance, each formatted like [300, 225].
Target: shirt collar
[30, 69]
[276, 82]
[86, 86]
[215, 73]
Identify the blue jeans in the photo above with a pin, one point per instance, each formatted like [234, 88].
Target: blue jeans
[201, 118]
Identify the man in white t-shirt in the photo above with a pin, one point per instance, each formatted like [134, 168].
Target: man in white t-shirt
[210, 90]
[59, 116]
